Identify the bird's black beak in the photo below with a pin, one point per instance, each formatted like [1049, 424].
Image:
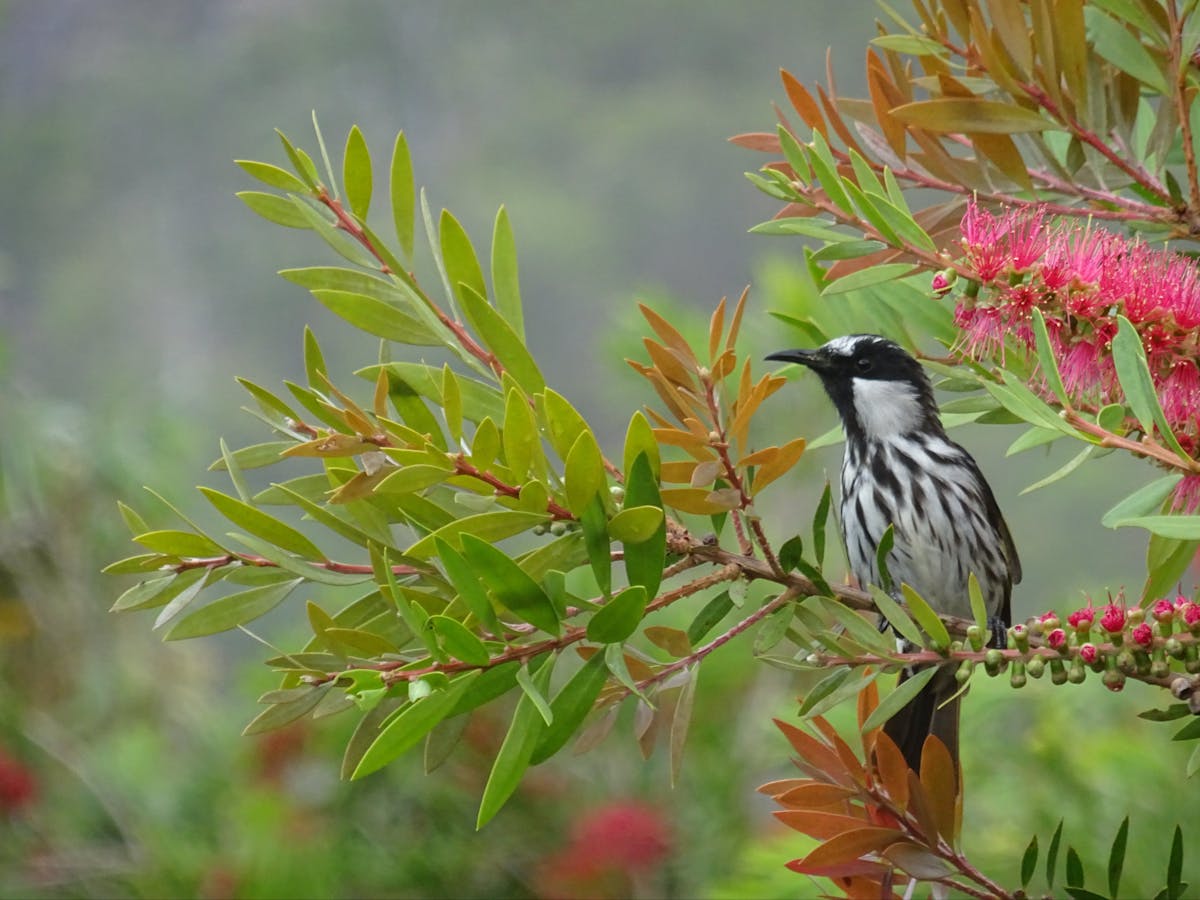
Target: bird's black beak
[812, 359]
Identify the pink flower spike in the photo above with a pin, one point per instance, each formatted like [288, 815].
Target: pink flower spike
[1027, 239]
[1143, 635]
[1113, 619]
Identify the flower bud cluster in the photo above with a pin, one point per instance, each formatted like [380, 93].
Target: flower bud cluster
[1115, 640]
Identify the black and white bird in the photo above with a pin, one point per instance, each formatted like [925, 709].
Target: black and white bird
[901, 469]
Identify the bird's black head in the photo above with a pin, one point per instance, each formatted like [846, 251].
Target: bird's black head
[878, 388]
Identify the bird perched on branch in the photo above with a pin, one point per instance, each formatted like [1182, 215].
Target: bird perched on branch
[901, 469]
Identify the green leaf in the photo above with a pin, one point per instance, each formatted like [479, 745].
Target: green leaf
[1141, 502]
[254, 456]
[583, 474]
[1026, 405]
[972, 116]
[516, 751]
[1129, 359]
[1046, 358]
[511, 585]
[614, 659]
[488, 526]
[570, 707]
[324, 154]
[819, 229]
[274, 176]
[710, 614]
[1185, 528]
[459, 641]
[894, 702]
[563, 423]
[231, 611]
[1189, 732]
[896, 616]
[178, 543]
[790, 553]
[1117, 45]
[886, 542]
[639, 439]
[597, 542]
[300, 162]
[825, 168]
[412, 724]
[525, 680]
[1052, 855]
[926, 618]
[1116, 858]
[452, 410]
[462, 265]
[1029, 862]
[403, 195]
[522, 443]
[155, 591]
[505, 283]
[272, 553]
[502, 340]
[872, 275]
[1034, 436]
[273, 208]
[822, 689]
[1175, 865]
[470, 588]
[279, 714]
[619, 617]
[1062, 471]
[378, 317]
[820, 519]
[1166, 561]
[635, 524]
[1075, 876]
[644, 560]
[978, 608]
[263, 525]
[356, 173]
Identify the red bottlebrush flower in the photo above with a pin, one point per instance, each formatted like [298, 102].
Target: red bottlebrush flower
[1025, 236]
[1179, 392]
[1056, 638]
[1089, 653]
[983, 330]
[1113, 619]
[1187, 494]
[1163, 610]
[1143, 635]
[1082, 618]
[18, 787]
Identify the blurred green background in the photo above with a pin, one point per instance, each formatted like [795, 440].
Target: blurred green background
[134, 286]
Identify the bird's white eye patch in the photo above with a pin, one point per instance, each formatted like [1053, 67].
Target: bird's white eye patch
[886, 408]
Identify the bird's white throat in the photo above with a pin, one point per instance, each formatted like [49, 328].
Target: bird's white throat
[885, 408]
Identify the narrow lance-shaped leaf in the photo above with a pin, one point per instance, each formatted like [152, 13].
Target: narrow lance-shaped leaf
[506, 285]
[502, 340]
[516, 751]
[1116, 858]
[263, 525]
[356, 173]
[511, 585]
[570, 707]
[411, 725]
[894, 702]
[644, 559]
[896, 616]
[403, 195]
[1046, 358]
[1129, 359]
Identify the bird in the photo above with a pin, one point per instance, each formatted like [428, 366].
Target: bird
[901, 469]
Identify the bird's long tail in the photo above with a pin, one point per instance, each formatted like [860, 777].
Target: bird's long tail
[925, 714]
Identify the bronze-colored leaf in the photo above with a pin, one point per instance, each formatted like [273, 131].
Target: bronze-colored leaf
[868, 700]
[1071, 49]
[892, 770]
[1002, 151]
[781, 786]
[811, 795]
[939, 777]
[917, 861]
[957, 13]
[735, 323]
[884, 98]
[853, 764]
[962, 115]
[815, 752]
[1008, 19]
[850, 846]
[919, 807]
[673, 640]
[803, 101]
[678, 472]
[669, 363]
[835, 119]
[762, 141]
[691, 500]
[668, 333]
[779, 464]
[819, 824]
[716, 330]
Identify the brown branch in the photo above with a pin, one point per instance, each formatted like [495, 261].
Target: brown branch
[1145, 447]
[1180, 66]
[250, 559]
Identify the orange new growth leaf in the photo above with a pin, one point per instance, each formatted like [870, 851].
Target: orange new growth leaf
[779, 464]
[814, 795]
[669, 363]
[891, 769]
[850, 846]
[816, 756]
[667, 332]
[939, 777]
[735, 323]
[803, 101]
[821, 825]
[716, 328]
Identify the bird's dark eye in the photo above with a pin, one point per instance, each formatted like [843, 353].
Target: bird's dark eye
[864, 364]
